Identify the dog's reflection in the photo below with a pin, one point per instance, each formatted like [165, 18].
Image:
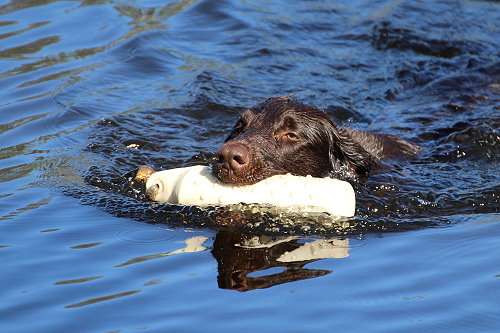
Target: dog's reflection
[245, 261]
[249, 261]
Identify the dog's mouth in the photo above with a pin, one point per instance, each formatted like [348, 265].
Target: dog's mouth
[229, 176]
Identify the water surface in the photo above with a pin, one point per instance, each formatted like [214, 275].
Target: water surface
[93, 89]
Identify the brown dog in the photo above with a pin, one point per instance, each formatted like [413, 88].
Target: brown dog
[282, 135]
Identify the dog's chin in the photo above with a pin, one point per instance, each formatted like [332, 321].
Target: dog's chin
[231, 178]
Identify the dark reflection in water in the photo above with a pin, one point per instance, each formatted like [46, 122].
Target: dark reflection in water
[244, 258]
[249, 261]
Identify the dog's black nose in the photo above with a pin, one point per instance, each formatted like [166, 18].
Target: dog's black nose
[235, 156]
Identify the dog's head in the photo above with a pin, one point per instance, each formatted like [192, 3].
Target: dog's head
[282, 135]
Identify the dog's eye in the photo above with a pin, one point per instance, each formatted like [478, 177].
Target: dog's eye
[292, 136]
[239, 126]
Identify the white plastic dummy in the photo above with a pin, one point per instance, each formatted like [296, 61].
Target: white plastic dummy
[197, 186]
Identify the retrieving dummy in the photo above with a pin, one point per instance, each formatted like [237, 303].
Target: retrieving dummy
[197, 186]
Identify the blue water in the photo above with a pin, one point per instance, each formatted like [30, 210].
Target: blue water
[92, 89]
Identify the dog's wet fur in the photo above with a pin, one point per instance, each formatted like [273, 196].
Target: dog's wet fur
[282, 135]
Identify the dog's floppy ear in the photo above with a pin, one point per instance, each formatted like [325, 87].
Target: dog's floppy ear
[348, 160]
